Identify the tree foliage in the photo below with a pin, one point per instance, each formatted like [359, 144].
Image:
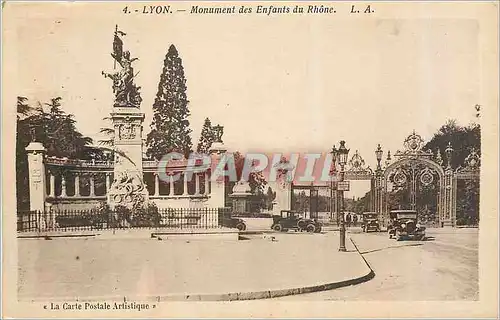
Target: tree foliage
[206, 139]
[49, 124]
[170, 130]
[462, 140]
[256, 180]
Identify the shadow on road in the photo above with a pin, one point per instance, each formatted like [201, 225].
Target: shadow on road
[392, 247]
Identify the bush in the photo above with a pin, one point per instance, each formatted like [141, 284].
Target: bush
[146, 215]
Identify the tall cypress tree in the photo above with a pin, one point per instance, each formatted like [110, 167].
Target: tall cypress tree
[170, 126]
[206, 138]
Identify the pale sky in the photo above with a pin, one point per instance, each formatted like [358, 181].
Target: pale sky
[275, 83]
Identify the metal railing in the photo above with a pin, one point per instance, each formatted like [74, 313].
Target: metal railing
[80, 220]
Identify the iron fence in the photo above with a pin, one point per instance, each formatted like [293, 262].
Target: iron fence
[80, 220]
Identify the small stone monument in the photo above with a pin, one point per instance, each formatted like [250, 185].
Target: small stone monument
[240, 197]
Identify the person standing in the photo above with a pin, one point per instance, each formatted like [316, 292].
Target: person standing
[355, 220]
[348, 220]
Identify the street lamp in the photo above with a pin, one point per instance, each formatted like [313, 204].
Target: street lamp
[378, 185]
[379, 153]
[449, 151]
[343, 152]
[332, 178]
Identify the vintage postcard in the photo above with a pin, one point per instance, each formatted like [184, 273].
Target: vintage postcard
[250, 159]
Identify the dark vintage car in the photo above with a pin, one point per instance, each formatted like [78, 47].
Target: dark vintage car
[403, 225]
[232, 222]
[291, 220]
[370, 222]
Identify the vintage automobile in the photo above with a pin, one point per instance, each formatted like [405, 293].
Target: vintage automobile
[292, 220]
[370, 222]
[403, 225]
[232, 222]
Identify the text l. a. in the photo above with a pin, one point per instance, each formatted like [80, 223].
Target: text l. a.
[368, 9]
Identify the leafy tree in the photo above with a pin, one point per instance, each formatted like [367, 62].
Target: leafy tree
[256, 181]
[56, 130]
[170, 126]
[107, 131]
[23, 108]
[462, 140]
[270, 197]
[206, 138]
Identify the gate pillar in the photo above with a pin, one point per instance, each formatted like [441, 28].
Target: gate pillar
[378, 195]
[36, 174]
[446, 218]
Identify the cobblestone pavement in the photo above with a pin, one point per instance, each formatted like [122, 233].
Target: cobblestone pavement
[445, 267]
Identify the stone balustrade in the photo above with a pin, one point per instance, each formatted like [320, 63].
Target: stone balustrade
[105, 178]
[78, 163]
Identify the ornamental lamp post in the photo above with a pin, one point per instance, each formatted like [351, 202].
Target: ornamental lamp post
[343, 152]
[379, 153]
[332, 179]
[378, 185]
[449, 151]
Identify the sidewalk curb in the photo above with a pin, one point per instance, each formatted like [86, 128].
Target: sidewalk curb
[50, 236]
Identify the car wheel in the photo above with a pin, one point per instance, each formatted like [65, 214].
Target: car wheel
[310, 228]
[277, 227]
[398, 236]
[301, 224]
[241, 226]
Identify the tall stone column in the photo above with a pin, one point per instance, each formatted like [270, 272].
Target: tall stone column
[185, 182]
[52, 191]
[196, 184]
[171, 187]
[63, 187]
[207, 183]
[92, 185]
[157, 185]
[108, 182]
[77, 184]
[217, 193]
[128, 186]
[36, 168]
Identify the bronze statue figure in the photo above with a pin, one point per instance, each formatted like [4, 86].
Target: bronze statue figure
[126, 91]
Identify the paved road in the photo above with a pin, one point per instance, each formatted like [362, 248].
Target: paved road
[445, 267]
[81, 267]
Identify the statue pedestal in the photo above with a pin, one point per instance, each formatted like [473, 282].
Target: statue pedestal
[128, 186]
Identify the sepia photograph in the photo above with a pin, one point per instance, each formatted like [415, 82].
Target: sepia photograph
[256, 152]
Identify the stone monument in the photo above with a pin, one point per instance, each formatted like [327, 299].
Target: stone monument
[240, 197]
[128, 186]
